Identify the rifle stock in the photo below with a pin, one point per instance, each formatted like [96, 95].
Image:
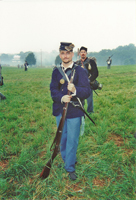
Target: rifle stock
[46, 170]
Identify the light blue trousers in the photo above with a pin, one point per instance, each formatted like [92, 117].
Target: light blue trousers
[90, 103]
[69, 141]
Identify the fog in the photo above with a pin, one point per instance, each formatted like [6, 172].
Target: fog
[122, 55]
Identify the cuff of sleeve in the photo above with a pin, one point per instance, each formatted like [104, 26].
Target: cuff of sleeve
[61, 100]
[74, 94]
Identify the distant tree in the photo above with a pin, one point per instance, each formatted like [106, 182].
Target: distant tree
[57, 60]
[129, 61]
[6, 58]
[30, 58]
[23, 56]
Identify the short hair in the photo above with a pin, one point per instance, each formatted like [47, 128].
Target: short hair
[83, 48]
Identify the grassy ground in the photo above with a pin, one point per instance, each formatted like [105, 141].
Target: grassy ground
[106, 153]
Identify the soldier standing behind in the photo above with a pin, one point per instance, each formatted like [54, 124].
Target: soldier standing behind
[91, 67]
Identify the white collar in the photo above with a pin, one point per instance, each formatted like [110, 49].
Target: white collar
[70, 66]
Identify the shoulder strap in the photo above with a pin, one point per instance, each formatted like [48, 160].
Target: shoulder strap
[68, 72]
[87, 61]
[78, 62]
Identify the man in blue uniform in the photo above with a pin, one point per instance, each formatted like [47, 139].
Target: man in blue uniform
[59, 87]
[90, 65]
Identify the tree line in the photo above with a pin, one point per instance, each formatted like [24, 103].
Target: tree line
[122, 55]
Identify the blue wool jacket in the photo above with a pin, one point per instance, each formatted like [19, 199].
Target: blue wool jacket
[58, 90]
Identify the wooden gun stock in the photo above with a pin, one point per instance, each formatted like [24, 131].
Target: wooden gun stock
[46, 170]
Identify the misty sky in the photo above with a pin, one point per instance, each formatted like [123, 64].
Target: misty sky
[35, 25]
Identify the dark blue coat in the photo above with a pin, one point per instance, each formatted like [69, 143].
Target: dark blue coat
[93, 71]
[58, 90]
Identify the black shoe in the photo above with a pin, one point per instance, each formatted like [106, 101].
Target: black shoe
[72, 176]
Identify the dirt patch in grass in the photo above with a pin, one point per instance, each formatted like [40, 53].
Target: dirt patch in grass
[100, 182]
[75, 187]
[117, 139]
[3, 164]
[42, 154]
[128, 152]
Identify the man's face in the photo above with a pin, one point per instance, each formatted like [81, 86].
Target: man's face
[66, 56]
[83, 54]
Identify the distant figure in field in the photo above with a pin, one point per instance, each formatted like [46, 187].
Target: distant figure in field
[2, 97]
[1, 77]
[109, 61]
[26, 65]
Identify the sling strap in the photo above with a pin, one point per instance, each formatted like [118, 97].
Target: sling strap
[68, 72]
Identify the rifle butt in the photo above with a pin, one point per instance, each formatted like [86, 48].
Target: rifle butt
[46, 170]
[45, 173]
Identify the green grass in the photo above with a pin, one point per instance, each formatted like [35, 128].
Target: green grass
[106, 153]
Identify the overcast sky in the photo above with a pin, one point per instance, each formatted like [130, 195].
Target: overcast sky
[35, 25]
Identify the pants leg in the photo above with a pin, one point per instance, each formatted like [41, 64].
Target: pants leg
[69, 141]
[73, 132]
[90, 102]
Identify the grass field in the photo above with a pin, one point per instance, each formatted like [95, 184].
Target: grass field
[106, 153]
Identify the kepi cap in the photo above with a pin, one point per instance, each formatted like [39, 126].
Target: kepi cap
[83, 48]
[66, 46]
